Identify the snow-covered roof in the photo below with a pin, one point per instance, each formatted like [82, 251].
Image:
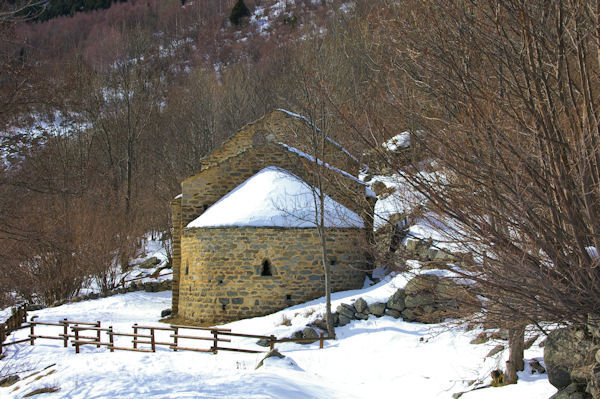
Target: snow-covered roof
[274, 198]
[368, 191]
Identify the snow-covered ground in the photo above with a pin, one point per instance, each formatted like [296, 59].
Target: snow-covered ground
[377, 358]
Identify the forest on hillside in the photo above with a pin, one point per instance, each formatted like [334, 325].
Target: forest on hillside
[104, 113]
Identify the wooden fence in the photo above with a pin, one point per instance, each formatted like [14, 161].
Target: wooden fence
[145, 338]
[15, 322]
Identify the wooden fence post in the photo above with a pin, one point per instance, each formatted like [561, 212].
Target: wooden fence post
[66, 332]
[76, 331]
[215, 341]
[175, 340]
[135, 331]
[111, 339]
[272, 340]
[31, 332]
[152, 340]
[2, 335]
[321, 340]
[98, 333]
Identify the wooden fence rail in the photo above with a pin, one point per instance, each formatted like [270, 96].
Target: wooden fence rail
[81, 333]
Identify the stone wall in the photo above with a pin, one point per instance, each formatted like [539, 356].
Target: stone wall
[176, 250]
[277, 126]
[221, 270]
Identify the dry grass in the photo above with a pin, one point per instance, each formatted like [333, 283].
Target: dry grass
[285, 321]
[42, 390]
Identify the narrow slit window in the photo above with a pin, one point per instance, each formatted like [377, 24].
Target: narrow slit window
[266, 268]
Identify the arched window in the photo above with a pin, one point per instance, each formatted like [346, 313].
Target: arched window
[266, 268]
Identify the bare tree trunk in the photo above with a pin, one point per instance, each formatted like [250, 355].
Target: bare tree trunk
[516, 343]
[326, 266]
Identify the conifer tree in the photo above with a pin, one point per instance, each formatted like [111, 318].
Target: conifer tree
[238, 11]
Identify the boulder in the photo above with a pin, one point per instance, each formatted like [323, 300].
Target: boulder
[343, 320]
[150, 263]
[411, 245]
[165, 313]
[500, 334]
[346, 310]
[418, 300]
[565, 350]
[361, 316]
[379, 187]
[448, 289]
[432, 253]
[481, 338]
[495, 350]
[536, 367]
[443, 256]
[572, 391]
[530, 341]
[421, 283]
[396, 301]
[273, 353]
[264, 342]
[336, 319]
[320, 323]
[410, 314]
[297, 335]
[428, 309]
[309, 333]
[377, 308]
[393, 313]
[360, 305]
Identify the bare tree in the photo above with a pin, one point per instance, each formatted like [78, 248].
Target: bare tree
[504, 92]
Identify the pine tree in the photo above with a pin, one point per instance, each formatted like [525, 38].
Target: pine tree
[238, 11]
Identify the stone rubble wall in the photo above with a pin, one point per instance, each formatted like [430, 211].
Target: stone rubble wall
[572, 358]
[176, 248]
[277, 126]
[221, 270]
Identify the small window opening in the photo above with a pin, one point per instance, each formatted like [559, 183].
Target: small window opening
[288, 297]
[223, 305]
[187, 270]
[266, 268]
[332, 262]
